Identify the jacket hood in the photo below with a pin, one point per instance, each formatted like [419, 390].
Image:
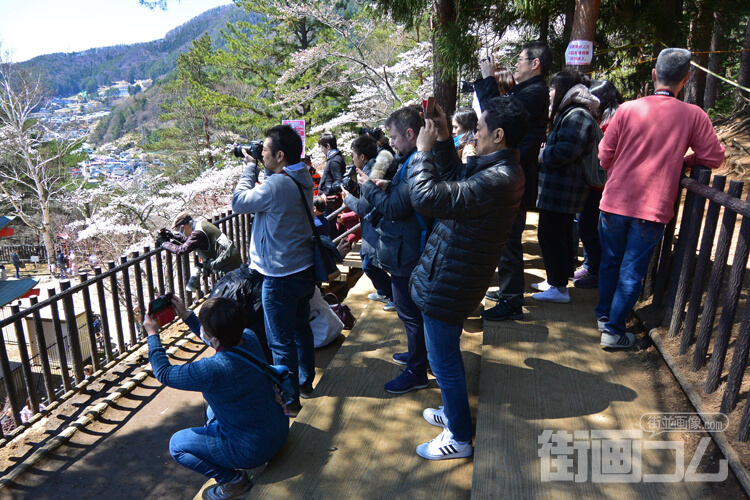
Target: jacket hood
[300, 173]
[580, 94]
[381, 164]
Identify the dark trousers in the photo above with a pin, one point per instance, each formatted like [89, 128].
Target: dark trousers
[554, 232]
[510, 268]
[381, 280]
[411, 316]
[18, 270]
[588, 231]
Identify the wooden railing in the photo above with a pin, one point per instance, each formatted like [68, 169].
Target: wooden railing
[122, 297]
[686, 283]
[25, 252]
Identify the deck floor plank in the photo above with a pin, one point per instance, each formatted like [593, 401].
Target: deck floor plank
[547, 371]
[354, 440]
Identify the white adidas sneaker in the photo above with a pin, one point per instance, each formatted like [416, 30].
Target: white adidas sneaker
[612, 341]
[444, 447]
[435, 417]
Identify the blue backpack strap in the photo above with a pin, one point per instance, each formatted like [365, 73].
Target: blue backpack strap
[275, 373]
[420, 220]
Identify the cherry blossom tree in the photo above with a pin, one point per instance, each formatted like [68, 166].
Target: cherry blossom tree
[123, 216]
[31, 174]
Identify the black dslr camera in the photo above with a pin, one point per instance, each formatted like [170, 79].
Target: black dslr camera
[349, 181]
[255, 149]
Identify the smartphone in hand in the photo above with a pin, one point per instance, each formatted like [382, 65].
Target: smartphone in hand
[428, 106]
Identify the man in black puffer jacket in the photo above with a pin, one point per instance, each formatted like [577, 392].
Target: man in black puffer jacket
[530, 89]
[474, 206]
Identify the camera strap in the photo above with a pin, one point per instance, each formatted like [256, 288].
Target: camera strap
[665, 92]
[307, 209]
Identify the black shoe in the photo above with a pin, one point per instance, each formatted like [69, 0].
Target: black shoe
[293, 408]
[493, 295]
[505, 309]
[305, 391]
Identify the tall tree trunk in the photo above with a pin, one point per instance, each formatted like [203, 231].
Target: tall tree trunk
[584, 25]
[715, 63]
[666, 27]
[570, 14]
[207, 141]
[744, 75]
[699, 43]
[445, 86]
[544, 29]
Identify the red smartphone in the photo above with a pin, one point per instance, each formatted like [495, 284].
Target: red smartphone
[428, 106]
[162, 310]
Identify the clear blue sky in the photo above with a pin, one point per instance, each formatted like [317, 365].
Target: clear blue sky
[33, 27]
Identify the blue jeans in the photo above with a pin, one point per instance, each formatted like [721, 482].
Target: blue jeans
[411, 316]
[627, 246]
[380, 279]
[443, 349]
[191, 448]
[286, 310]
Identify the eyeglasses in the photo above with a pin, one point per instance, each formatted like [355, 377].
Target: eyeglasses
[525, 58]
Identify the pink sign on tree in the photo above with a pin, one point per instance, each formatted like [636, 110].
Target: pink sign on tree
[299, 126]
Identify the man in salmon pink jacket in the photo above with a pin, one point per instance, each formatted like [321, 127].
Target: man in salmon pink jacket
[643, 152]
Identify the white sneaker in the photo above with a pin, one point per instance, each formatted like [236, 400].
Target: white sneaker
[377, 297]
[542, 286]
[554, 294]
[601, 323]
[435, 417]
[444, 447]
[612, 341]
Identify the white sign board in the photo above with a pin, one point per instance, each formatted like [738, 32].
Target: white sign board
[579, 52]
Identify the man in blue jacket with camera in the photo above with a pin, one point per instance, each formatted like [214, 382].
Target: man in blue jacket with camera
[402, 235]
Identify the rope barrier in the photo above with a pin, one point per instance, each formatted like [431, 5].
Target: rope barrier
[730, 82]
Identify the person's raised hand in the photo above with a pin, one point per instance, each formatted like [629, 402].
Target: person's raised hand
[362, 177]
[150, 325]
[487, 65]
[427, 136]
[179, 307]
[441, 122]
